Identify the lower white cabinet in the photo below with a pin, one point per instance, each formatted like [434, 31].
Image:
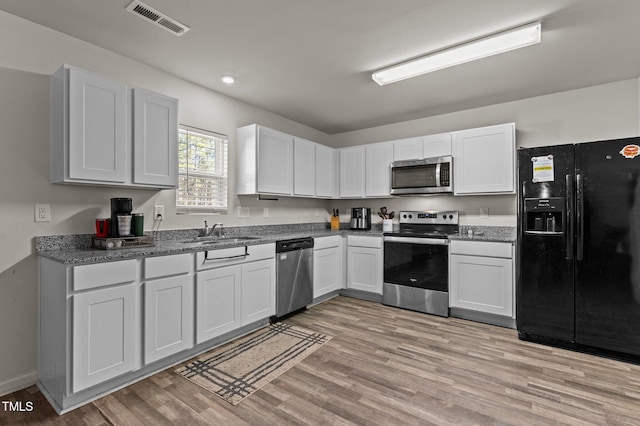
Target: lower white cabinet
[364, 263]
[327, 265]
[234, 289]
[481, 277]
[104, 338]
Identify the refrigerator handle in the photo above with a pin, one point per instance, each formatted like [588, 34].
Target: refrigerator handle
[569, 216]
[579, 217]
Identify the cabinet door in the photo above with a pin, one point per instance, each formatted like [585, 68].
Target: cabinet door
[327, 271]
[378, 169]
[437, 145]
[482, 284]
[407, 149]
[103, 335]
[168, 317]
[155, 139]
[364, 269]
[97, 128]
[304, 167]
[258, 290]
[218, 302]
[275, 162]
[352, 171]
[326, 171]
[484, 160]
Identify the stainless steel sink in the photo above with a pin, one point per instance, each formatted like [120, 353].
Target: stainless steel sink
[219, 240]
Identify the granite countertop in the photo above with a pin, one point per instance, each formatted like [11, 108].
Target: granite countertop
[504, 234]
[76, 250]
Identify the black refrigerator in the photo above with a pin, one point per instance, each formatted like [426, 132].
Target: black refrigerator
[578, 282]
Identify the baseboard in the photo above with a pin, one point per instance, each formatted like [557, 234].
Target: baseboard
[17, 383]
[359, 294]
[486, 318]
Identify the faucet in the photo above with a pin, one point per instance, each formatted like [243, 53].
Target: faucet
[209, 231]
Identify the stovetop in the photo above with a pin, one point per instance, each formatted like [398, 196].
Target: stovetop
[426, 224]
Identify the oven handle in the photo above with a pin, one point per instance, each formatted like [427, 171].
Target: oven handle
[425, 241]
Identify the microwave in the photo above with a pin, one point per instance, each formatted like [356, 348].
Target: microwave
[423, 176]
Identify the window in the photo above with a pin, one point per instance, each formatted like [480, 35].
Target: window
[202, 171]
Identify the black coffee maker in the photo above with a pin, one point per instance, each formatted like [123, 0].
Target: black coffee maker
[119, 207]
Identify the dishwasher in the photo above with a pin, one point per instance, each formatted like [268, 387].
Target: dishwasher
[294, 275]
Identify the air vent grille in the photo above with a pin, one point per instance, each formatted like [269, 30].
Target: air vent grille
[158, 18]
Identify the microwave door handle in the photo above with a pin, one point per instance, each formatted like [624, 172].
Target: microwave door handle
[438, 174]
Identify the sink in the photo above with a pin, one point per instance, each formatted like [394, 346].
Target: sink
[219, 240]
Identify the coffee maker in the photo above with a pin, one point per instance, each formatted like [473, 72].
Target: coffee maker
[361, 218]
[119, 207]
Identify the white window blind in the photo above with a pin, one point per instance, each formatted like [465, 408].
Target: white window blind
[202, 171]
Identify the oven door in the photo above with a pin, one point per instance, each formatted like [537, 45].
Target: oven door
[417, 262]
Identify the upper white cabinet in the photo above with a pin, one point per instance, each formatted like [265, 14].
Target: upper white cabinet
[155, 142]
[352, 172]
[304, 167]
[436, 145]
[484, 160]
[91, 140]
[265, 161]
[378, 158]
[407, 149]
[88, 128]
[326, 171]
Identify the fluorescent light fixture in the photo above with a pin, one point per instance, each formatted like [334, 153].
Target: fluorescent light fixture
[494, 44]
[228, 79]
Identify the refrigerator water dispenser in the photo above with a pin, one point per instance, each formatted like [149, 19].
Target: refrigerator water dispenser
[544, 215]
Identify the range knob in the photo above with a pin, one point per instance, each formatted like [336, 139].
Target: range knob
[444, 216]
[451, 216]
[404, 216]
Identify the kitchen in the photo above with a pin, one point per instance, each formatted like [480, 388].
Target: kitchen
[604, 110]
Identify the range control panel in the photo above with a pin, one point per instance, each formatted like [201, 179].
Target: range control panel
[430, 218]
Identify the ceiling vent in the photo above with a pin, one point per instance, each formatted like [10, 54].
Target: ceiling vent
[160, 19]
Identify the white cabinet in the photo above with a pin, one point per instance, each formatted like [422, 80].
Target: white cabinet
[378, 158]
[327, 265]
[436, 145]
[352, 172]
[326, 172]
[91, 133]
[234, 287]
[168, 306]
[407, 149]
[155, 139]
[482, 277]
[304, 167]
[265, 161]
[88, 128]
[364, 263]
[484, 160]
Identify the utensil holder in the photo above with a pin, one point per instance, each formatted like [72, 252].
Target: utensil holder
[387, 225]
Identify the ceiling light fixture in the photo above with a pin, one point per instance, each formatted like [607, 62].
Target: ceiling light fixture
[228, 79]
[494, 44]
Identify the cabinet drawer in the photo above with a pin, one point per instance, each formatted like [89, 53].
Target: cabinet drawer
[481, 248]
[167, 265]
[234, 255]
[102, 274]
[362, 241]
[326, 242]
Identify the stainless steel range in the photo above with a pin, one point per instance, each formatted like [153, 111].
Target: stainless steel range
[416, 262]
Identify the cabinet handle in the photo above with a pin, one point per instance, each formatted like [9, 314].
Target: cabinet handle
[207, 258]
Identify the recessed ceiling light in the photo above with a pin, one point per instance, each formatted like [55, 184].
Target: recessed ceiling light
[228, 79]
[505, 41]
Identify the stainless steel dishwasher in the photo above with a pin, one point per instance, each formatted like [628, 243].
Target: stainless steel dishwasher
[294, 275]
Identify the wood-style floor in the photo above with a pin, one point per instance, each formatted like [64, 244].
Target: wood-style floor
[386, 366]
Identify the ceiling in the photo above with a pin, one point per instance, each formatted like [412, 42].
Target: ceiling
[311, 60]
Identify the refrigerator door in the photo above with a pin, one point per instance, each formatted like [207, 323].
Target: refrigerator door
[608, 245]
[544, 286]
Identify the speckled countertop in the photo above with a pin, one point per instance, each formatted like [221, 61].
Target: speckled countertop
[76, 249]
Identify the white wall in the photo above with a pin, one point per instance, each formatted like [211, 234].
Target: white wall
[602, 112]
[29, 53]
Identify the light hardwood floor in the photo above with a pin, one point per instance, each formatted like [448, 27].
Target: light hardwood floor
[387, 366]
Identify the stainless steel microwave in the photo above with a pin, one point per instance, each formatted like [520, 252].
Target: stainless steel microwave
[424, 176]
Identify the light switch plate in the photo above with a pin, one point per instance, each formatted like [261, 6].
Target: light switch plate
[244, 212]
[42, 213]
[265, 212]
[484, 212]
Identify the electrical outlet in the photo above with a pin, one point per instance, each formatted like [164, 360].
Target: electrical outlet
[265, 212]
[484, 212]
[244, 212]
[158, 211]
[42, 213]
